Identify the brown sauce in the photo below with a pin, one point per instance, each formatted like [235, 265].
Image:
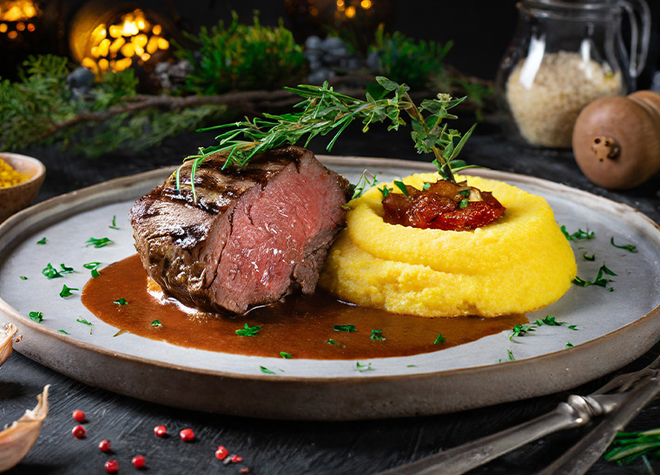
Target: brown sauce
[300, 326]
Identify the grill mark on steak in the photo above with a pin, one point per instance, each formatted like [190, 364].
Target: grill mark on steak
[254, 235]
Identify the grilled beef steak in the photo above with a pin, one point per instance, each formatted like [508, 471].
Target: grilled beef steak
[254, 235]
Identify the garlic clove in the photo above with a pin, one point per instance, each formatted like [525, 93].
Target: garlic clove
[17, 440]
[6, 336]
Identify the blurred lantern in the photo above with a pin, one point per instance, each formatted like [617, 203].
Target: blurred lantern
[106, 37]
[18, 19]
[355, 21]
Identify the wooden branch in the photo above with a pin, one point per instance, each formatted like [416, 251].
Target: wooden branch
[240, 100]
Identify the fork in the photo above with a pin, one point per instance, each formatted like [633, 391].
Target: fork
[622, 398]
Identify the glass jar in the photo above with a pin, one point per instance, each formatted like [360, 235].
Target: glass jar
[565, 54]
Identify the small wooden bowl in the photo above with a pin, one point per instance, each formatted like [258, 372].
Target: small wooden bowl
[18, 197]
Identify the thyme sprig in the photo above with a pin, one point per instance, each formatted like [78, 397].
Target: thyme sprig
[326, 111]
[627, 446]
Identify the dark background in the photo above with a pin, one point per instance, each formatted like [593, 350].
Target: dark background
[480, 29]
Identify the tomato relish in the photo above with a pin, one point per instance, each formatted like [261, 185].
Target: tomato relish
[442, 205]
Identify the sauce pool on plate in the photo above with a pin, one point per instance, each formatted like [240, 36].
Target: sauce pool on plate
[301, 326]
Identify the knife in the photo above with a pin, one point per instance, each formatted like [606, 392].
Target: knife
[621, 399]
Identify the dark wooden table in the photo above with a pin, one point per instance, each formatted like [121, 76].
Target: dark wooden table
[281, 447]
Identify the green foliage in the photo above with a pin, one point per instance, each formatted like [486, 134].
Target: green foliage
[40, 109]
[404, 59]
[241, 57]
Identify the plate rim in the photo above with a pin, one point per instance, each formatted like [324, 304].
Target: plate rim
[72, 203]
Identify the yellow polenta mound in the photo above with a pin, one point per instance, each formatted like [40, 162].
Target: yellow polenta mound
[517, 264]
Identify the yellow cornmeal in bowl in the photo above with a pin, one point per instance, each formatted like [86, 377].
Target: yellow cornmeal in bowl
[516, 264]
[9, 176]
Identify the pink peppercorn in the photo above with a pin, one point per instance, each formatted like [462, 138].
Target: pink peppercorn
[138, 461]
[236, 458]
[78, 416]
[187, 435]
[79, 432]
[160, 431]
[111, 466]
[221, 453]
[104, 446]
[244, 470]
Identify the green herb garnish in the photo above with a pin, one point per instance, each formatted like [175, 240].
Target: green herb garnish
[98, 242]
[120, 332]
[50, 272]
[384, 191]
[363, 367]
[156, 324]
[439, 339]
[324, 111]
[522, 330]
[628, 446]
[122, 301]
[63, 332]
[22, 277]
[85, 322]
[463, 204]
[266, 370]
[569, 345]
[114, 223]
[588, 257]
[599, 280]
[357, 189]
[627, 247]
[377, 335]
[333, 342]
[578, 235]
[573, 327]
[42, 241]
[401, 186]
[344, 328]
[66, 291]
[95, 273]
[91, 265]
[66, 269]
[550, 321]
[285, 355]
[511, 357]
[248, 330]
[36, 316]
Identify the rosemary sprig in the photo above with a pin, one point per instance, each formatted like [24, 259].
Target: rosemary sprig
[326, 111]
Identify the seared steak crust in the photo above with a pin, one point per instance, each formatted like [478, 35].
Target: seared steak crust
[254, 234]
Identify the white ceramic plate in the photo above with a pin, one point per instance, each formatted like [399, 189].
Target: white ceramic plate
[613, 327]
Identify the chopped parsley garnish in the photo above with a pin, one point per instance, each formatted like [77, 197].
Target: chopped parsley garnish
[66, 291]
[248, 330]
[266, 370]
[569, 345]
[357, 189]
[511, 357]
[114, 223]
[98, 242]
[426, 186]
[91, 265]
[85, 322]
[573, 327]
[550, 320]
[578, 235]
[66, 269]
[463, 204]
[377, 335]
[156, 324]
[401, 186]
[599, 280]
[333, 342]
[384, 191]
[121, 301]
[36, 316]
[363, 367]
[42, 241]
[627, 247]
[411, 366]
[344, 328]
[465, 192]
[50, 272]
[119, 333]
[22, 277]
[439, 339]
[285, 355]
[95, 273]
[588, 257]
[63, 332]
